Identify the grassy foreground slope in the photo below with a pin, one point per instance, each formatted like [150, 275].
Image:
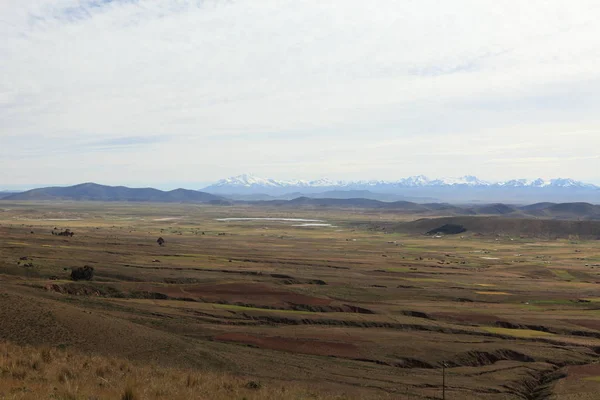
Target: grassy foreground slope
[38, 373]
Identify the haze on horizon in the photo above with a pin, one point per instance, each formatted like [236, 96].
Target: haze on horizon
[173, 93]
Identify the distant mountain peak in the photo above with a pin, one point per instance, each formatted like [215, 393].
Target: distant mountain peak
[245, 180]
[469, 180]
[249, 180]
[466, 188]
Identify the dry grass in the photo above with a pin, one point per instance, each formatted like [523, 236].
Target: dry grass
[33, 373]
[521, 333]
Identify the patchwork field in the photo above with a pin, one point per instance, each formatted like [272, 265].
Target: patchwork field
[312, 298]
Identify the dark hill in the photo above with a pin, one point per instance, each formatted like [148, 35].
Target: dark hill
[448, 229]
[448, 208]
[564, 210]
[405, 206]
[95, 192]
[536, 207]
[574, 210]
[494, 209]
[4, 194]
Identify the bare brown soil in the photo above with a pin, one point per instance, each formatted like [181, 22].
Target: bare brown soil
[316, 347]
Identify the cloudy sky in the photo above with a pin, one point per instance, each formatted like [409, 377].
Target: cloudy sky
[179, 93]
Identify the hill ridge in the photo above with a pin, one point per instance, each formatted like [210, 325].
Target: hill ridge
[91, 191]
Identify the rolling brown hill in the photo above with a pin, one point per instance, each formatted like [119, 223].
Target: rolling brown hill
[544, 210]
[564, 210]
[494, 225]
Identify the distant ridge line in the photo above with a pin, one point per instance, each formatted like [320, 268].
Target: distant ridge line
[96, 192]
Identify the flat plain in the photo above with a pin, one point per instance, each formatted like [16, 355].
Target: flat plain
[321, 302]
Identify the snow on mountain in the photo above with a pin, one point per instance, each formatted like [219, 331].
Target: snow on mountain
[560, 182]
[251, 181]
[247, 180]
[412, 181]
[542, 183]
[515, 183]
[322, 183]
[469, 180]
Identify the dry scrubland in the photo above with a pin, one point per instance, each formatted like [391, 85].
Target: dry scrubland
[268, 310]
[33, 373]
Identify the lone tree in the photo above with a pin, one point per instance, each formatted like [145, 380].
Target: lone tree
[82, 273]
[160, 241]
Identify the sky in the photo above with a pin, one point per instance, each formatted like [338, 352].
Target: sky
[170, 93]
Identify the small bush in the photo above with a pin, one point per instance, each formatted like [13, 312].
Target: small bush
[102, 371]
[36, 365]
[191, 381]
[65, 375]
[128, 394]
[253, 385]
[19, 374]
[82, 273]
[46, 356]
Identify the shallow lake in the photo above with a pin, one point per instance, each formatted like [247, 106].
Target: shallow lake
[298, 222]
[270, 219]
[313, 224]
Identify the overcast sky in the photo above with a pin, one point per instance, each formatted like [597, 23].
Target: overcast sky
[175, 93]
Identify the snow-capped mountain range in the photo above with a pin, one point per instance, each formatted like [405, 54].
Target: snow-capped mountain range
[414, 188]
[251, 181]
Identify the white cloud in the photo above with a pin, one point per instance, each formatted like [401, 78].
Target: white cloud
[297, 89]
